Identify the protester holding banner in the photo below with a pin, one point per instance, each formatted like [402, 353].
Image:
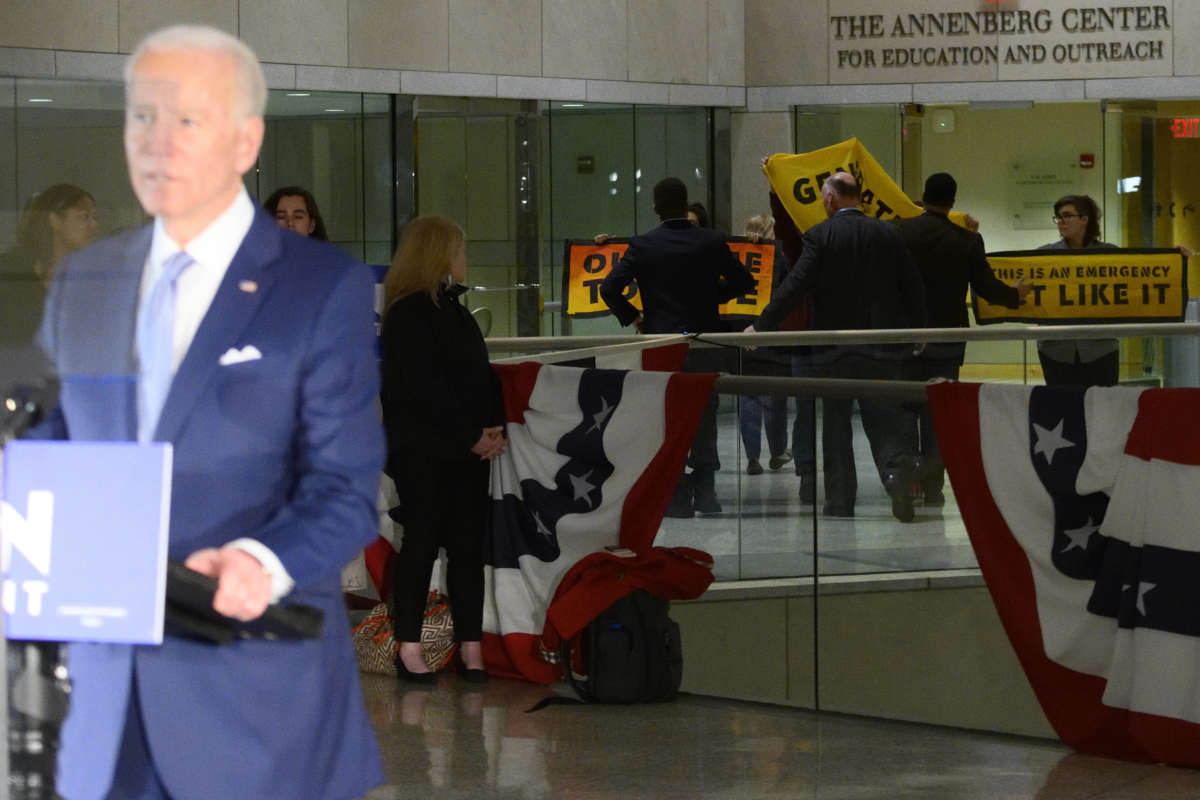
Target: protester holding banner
[683, 272]
[444, 422]
[771, 410]
[950, 258]
[861, 276]
[1079, 362]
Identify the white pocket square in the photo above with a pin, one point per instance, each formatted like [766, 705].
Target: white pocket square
[235, 356]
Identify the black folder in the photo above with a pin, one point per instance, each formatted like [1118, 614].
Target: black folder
[190, 613]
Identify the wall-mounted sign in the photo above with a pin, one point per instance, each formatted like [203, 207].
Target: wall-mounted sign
[1033, 186]
[1185, 127]
[870, 42]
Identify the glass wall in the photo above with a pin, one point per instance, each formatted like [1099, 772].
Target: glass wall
[603, 162]
[338, 145]
[522, 177]
[478, 162]
[1134, 158]
[1152, 157]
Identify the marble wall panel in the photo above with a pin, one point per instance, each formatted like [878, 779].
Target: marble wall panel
[500, 37]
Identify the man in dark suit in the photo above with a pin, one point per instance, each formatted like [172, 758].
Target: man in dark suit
[950, 258]
[683, 273]
[251, 350]
[859, 276]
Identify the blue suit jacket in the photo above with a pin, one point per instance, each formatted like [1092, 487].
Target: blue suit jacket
[286, 449]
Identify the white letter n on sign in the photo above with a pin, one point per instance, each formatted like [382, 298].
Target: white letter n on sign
[30, 534]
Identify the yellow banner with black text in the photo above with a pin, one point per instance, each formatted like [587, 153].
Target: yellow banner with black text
[586, 265]
[797, 180]
[1091, 286]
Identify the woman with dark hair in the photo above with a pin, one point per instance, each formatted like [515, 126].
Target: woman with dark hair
[1079, 362]
[56, 221]
[295, 208]
[444, 423]
[698, 214]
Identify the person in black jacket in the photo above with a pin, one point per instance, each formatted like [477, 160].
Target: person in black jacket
[950, 258]
[860, 276]
[683, 273]
[444, 422]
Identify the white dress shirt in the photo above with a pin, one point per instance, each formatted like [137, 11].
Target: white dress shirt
[212, 250]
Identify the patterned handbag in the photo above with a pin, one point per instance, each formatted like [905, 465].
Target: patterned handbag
[377, 648]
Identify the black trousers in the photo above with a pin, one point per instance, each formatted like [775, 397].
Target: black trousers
[923, 436]
[883, 421]
[1103, 371]
[441, 505]
[703, 458]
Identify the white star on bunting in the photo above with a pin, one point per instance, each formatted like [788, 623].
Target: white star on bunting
[1079, 536]
[601, 416]
[1049, 441]
[581, 487]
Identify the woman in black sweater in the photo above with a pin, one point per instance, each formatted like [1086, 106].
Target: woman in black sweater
[444, 421]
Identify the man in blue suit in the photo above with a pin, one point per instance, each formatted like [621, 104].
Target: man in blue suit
[250, 350]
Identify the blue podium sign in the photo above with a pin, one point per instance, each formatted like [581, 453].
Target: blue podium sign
[83, 540]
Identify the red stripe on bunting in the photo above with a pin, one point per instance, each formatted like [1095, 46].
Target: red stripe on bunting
[516, 386]
[686, 396]
[1164, 428]
[666, 358]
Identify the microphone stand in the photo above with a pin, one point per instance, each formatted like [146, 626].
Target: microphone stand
[36, 687]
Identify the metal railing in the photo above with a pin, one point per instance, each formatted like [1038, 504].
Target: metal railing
[989, 333]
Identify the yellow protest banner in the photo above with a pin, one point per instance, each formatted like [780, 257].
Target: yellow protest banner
[797, 180]
[760, 260]
[587, 264]
[1082, 286]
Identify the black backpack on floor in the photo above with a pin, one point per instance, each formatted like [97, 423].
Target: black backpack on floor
[631, 652]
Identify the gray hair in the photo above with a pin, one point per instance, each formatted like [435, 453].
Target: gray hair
[250, 87]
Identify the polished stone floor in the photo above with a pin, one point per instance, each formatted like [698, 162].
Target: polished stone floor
[764, 531]
[457, 742]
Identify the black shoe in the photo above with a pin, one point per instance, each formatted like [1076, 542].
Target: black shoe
[839, 509]
[932, 490]
[681, 501]
[808, 488]
[753, 467]
[422, 678]
[899, 487]
[780, 460]
[705, 502]
[704, 493]
[470, 675]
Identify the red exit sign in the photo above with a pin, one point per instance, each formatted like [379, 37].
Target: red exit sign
[1185, 127]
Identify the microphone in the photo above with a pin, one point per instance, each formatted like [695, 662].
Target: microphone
[24, 405]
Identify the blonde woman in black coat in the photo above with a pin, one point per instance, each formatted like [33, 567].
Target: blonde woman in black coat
[444, 421]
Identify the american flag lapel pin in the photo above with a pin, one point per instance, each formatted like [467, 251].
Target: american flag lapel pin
[250, 287]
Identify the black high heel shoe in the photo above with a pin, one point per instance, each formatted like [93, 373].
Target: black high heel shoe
[476, 676]
[422, 678]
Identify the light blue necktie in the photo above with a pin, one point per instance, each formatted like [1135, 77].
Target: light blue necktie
[155, 344]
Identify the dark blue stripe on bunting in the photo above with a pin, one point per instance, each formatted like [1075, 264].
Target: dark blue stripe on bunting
[531, 527]
[1140, 587]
